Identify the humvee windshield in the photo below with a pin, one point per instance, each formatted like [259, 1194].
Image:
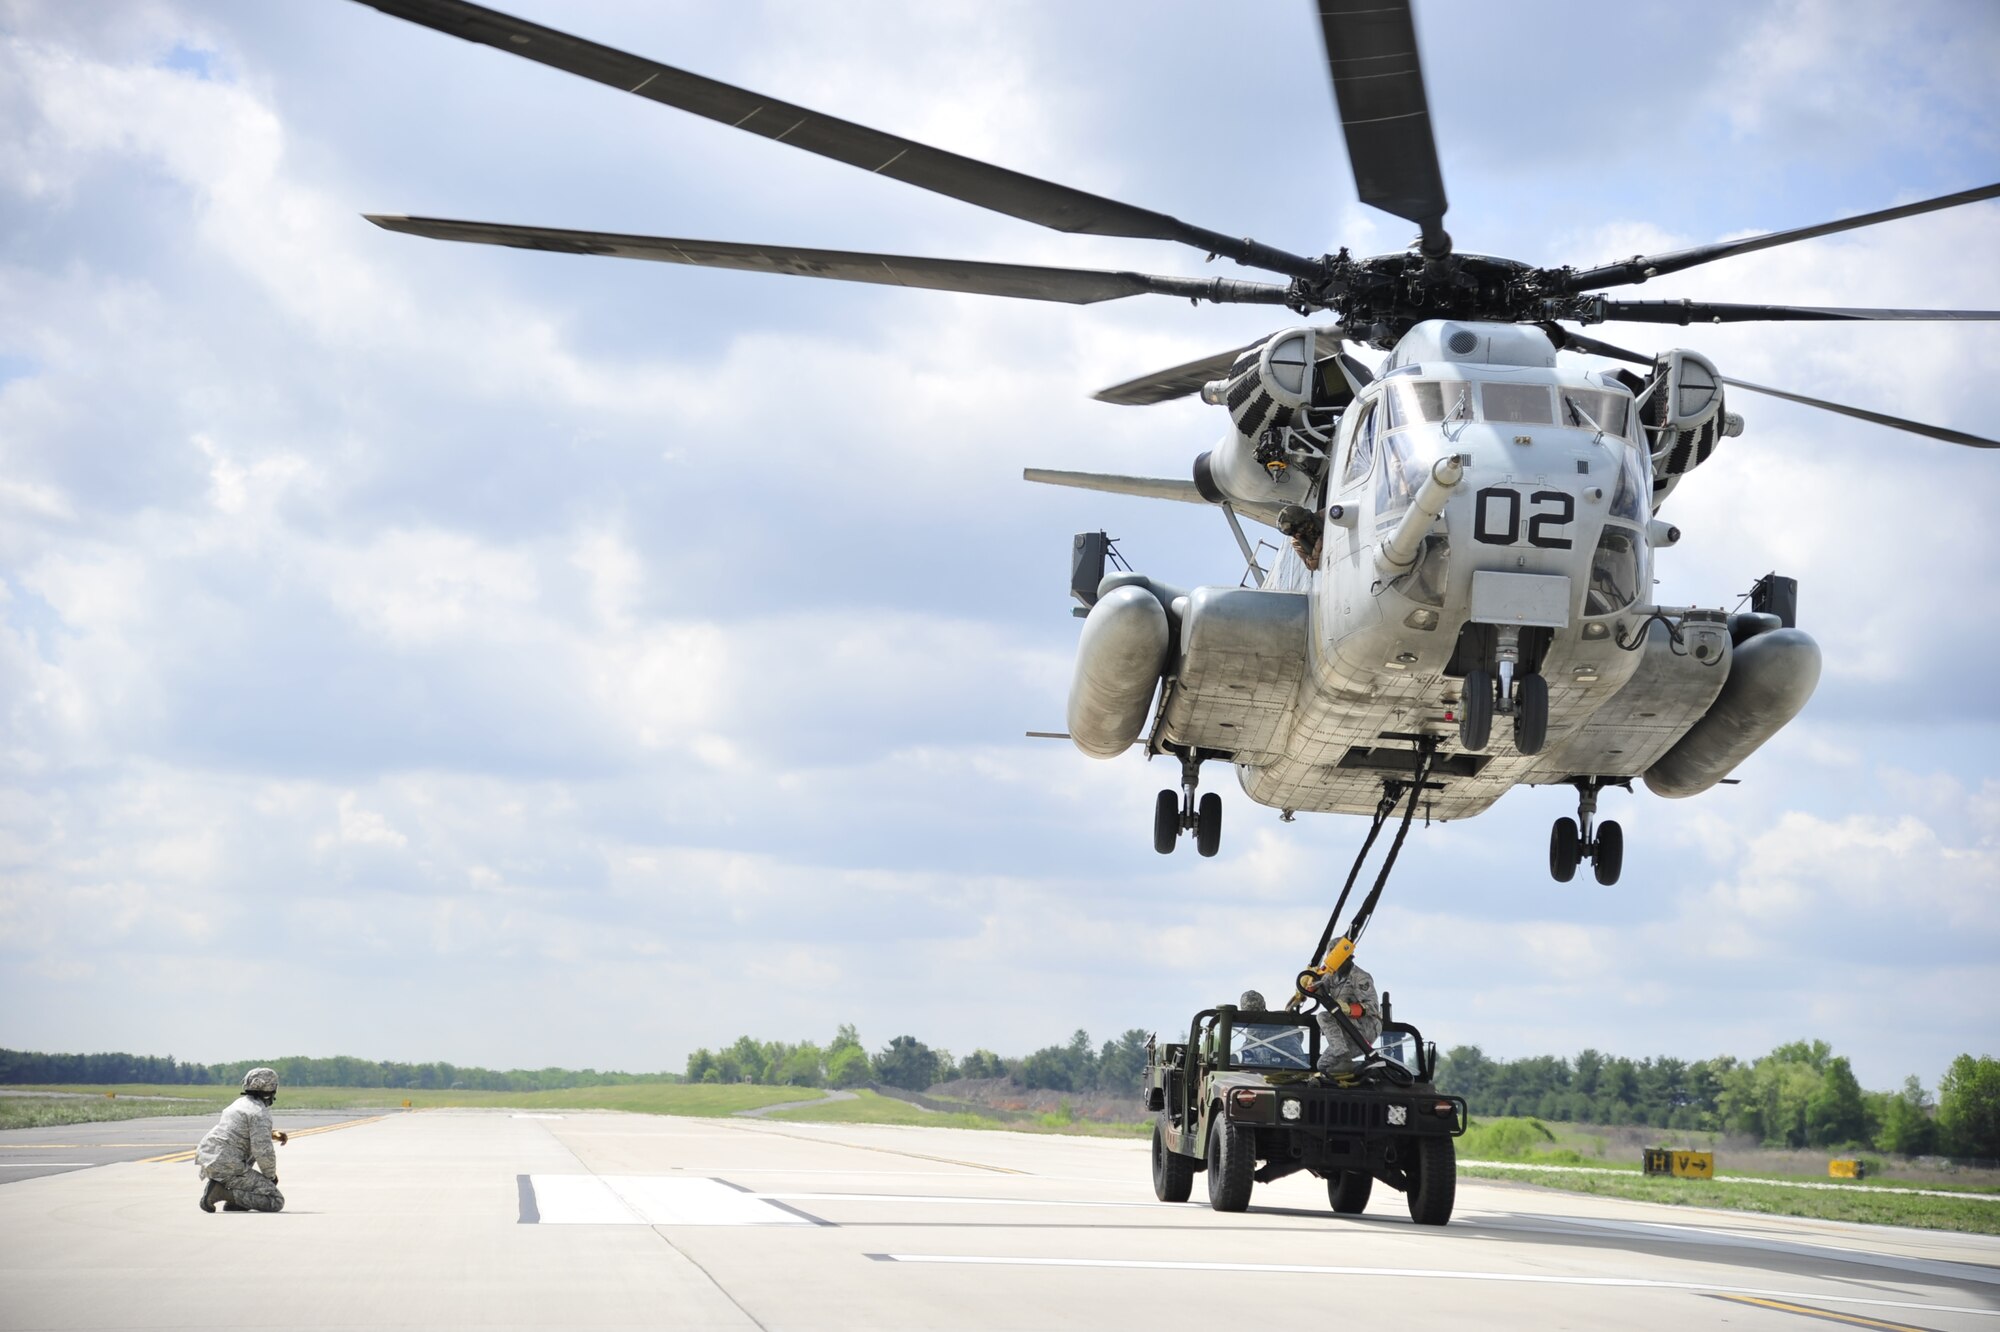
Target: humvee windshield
[1269, 1045]
[1399, 1046]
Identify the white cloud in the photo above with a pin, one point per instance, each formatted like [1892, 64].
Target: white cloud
[585, 654]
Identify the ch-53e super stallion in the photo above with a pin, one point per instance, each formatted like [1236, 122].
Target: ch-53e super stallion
[1466, 602]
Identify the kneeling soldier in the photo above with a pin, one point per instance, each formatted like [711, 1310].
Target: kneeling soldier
[236, 1157]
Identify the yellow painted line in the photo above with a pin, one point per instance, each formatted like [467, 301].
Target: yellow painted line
[175, 1158]
[1808, 1311]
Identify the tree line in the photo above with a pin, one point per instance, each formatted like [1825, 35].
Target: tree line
[32, 1068]
[908, 1063]
[1799, 1095]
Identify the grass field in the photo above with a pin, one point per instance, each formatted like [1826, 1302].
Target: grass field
[869, 1107]
[1873, 1206]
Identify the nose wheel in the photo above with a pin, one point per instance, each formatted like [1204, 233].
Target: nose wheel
[1573, 841]
[1510, 691]
[1176, 812]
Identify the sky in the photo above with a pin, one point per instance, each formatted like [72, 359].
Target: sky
[448, 652]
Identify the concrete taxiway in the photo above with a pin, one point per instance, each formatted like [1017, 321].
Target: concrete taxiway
[487, 1219]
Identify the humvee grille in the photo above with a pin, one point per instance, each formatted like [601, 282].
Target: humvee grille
[1343, 1114]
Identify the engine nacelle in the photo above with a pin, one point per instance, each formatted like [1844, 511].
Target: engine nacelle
[1269, 384]
[1265, 391]
[1681, 410]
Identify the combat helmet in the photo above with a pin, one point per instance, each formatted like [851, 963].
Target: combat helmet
[261, 1080]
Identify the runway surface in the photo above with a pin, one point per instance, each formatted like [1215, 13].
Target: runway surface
[486, 1219]
[30, 1153]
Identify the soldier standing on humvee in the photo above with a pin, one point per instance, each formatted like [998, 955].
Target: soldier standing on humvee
[1350, 991]
[240, 1141]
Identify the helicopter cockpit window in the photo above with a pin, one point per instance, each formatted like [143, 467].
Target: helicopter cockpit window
[1361, 454]
[1614, 572]
[1411, 403]
[1634, 484]
[1588, 409]
[1406, 461]
[1517, 404]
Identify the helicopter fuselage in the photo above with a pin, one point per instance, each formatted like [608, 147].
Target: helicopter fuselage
[1473, 535]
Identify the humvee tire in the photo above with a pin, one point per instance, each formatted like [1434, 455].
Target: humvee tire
[1433, 1181]
[1173, 1174]
[1348, 1190]
[1232, 1156]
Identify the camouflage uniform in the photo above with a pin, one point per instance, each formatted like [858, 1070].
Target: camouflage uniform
[1353, 986]
[241, 1139]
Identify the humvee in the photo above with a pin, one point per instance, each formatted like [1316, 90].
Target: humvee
[1244, 1089]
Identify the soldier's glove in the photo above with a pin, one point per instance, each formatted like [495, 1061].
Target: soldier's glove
[282, 1137]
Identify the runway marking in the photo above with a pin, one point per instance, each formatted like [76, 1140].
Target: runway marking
[971, 1202]
[171, 1158]
[1829, 1315]
[649, 1200]
[39, 1165]
[1425, 1273]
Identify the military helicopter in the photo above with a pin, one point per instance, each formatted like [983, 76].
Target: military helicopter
[1471, 525]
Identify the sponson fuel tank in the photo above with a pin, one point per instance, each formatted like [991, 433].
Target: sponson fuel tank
[1770, 679]
[1119, 661]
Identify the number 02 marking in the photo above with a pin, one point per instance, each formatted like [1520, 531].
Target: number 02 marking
[1497, 517]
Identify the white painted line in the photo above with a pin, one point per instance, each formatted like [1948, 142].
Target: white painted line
[580, 1200]
[649, 1200]
[1869, 1190]
[39, 1165]
[698, 1202]
[1423, 1273]
[972, 1202]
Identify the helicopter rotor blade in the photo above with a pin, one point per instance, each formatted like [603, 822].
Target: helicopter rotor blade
[1378, 84]
[1073, 286]
[976, 182]
[1944, 433]
[1713, 312]
[1640, 267]
[1177, 382]
[1181, 380]
[1569, 340]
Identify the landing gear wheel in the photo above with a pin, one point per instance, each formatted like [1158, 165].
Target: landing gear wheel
[1208, 824]
[1166, 822]
[1475, 715]
[1173, 1174]
[1232, 1155]
[1433, 1181]
[1348, 1191]
[1565, 850]
[1608, 857]
[1531, 715]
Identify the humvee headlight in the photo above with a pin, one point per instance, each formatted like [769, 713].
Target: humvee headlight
[1399, 1114]
[1289, 1109]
